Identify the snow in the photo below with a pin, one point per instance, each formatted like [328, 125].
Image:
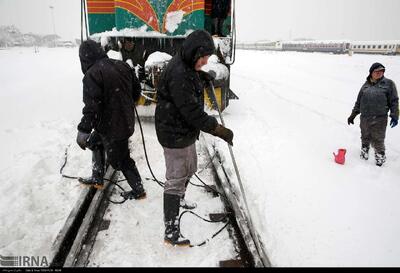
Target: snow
[135, 237]
[290, 118]
[224, 45]
[104, 40]
[222, 72]
[173, 19]
[40, 106]
[128, 32]
[116, 55]
[39, 115]
[157, 59]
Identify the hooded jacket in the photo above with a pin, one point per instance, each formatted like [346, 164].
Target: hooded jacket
[376, 99]
[180, 115]
[110, 88]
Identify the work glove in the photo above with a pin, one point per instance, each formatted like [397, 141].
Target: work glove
[223, 133]
[207, 76]
[350, 119]
[393, 122]
[81, 139]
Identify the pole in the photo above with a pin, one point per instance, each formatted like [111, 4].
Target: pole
[257, 243]
[54, 25]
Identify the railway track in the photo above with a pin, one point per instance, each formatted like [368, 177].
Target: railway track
[75, 241]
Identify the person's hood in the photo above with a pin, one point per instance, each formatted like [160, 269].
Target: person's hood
[373, 67]
[198, 44]
[89, 53]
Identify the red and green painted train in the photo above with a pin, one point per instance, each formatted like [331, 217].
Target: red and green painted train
[161, 26]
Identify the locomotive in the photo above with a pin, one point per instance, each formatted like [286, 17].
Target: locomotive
[160, 27]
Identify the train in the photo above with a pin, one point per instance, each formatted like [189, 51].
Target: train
[161, 26]
[336, 47]
[373, 47]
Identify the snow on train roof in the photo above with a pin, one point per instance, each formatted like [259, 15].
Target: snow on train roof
[332, 42]
[135, 32]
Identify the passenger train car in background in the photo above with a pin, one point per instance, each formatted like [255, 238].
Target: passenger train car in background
[161, 26]
[374, 47]
[337, 47]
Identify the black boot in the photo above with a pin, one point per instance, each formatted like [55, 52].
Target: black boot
[380, 158]
[187, 204]
[96, 179]
[135, 181]
[364, 152]
[171, 219]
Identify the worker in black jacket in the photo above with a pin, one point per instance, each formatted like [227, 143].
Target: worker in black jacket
[179, 118]
[110, 89]
[377, 96]
[219, 12]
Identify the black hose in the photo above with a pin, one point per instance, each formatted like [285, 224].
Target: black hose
[226, 218]
[145, 150]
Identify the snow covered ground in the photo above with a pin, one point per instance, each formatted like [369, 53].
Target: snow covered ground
[290, 117]
[40, 105]
[135, 237]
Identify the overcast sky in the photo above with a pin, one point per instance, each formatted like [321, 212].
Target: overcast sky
[256, 19]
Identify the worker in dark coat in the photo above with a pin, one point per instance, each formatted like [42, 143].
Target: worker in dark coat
[179, 118]
[219, 12]
[130, 51]
[110, 89]
[377, 96]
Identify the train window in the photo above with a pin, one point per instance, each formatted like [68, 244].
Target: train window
[373, 47]
[379, 47]
[368, 47]
[385, 46]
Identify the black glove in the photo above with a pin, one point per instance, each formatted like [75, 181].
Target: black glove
[81, 139]
[223, 133]
[393, 122]
[350, 119]
[207, 76]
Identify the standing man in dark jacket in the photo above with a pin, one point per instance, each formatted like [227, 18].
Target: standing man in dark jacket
[377, 96]
[219, 12]
[179, 118]
[110, 89]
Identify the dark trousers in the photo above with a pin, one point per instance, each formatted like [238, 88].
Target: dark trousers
[373, 132]
[117, 151]
[216, 26]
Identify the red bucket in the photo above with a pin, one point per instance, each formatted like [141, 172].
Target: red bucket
[340, 157]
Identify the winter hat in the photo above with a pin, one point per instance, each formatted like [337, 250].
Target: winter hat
[198, 44]
[90, 52]
[376, 66]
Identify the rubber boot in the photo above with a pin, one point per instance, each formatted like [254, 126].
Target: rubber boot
[364, 152]
[96, 180]
[187, 204]
[135, 181]
[380, 158]
[171, 220]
